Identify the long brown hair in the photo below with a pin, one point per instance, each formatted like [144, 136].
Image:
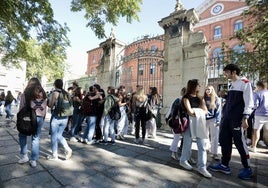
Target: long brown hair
[33, 90]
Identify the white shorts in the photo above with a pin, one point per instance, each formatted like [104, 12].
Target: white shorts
[260, 121]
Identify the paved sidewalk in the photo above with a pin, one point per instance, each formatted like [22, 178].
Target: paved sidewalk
[124, 164]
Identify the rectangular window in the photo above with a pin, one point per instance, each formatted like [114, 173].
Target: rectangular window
[153, 49]
[217, 33]
[152, 68]
[141, 67]
[238, 26]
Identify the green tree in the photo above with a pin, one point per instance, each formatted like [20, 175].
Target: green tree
[100, 12]
[256, 33]
[28, 31]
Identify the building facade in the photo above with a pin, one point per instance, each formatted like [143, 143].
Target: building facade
[12, 79]
[219, 21]
[141, 62]
[138, 63]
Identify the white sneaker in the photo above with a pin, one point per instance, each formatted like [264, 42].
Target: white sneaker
[248, 141]
[88, 142]
[186, 165]
[73, 139]
[174, 155]
[52, 157]
[252, 149]
[68, 154]
[204, 172]
[261, 143]
[23, 160]
[33, 164]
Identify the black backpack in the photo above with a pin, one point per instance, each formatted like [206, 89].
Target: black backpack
[114, 112]
[27, 121]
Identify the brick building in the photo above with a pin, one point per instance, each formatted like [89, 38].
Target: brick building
[141, 64]
[138, 63]
[141, 61]
[219, 21]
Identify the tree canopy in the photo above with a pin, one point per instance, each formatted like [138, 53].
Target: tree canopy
[100, 12]
[253, 63]
[29, 32]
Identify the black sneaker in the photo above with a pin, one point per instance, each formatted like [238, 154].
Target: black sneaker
[103, 142]
[111, 142]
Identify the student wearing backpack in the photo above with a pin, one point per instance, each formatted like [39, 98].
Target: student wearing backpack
[34, 96]
[109, 123]
[139, 101]
[177, 136]
[59, 120]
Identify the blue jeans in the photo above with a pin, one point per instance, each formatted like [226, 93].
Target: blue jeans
[35, 141]
[57, 127]
[187, 149]
[77, 122]
[108, 127]
[90, 129]
[8, 111]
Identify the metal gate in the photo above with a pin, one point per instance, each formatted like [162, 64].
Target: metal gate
[150, 74]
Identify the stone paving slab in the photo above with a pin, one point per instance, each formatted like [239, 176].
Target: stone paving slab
[124, 164]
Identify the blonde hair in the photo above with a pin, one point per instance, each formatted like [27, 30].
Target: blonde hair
[213, 96]
[140, 94]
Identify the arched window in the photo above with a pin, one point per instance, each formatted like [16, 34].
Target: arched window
[217, 32]
[217, 52]
[239, 49]
[238, 25]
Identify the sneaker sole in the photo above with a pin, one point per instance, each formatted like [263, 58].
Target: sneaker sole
[186, 167]
[246, 178]
[205, 175]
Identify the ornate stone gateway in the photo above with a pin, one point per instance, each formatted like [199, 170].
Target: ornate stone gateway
[185, 54]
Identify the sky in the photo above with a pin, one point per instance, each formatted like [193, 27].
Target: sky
[83, 38]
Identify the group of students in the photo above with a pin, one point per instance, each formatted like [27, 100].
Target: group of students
[220, 120]
[210, 120]
[35, 96]
[99, 123]
[93, 107]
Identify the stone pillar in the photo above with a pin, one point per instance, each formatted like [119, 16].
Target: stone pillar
[185, 54]
[107, 68]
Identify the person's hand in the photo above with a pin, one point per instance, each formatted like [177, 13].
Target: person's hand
[245, 123]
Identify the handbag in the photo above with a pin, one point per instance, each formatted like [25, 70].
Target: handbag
[179, 123]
